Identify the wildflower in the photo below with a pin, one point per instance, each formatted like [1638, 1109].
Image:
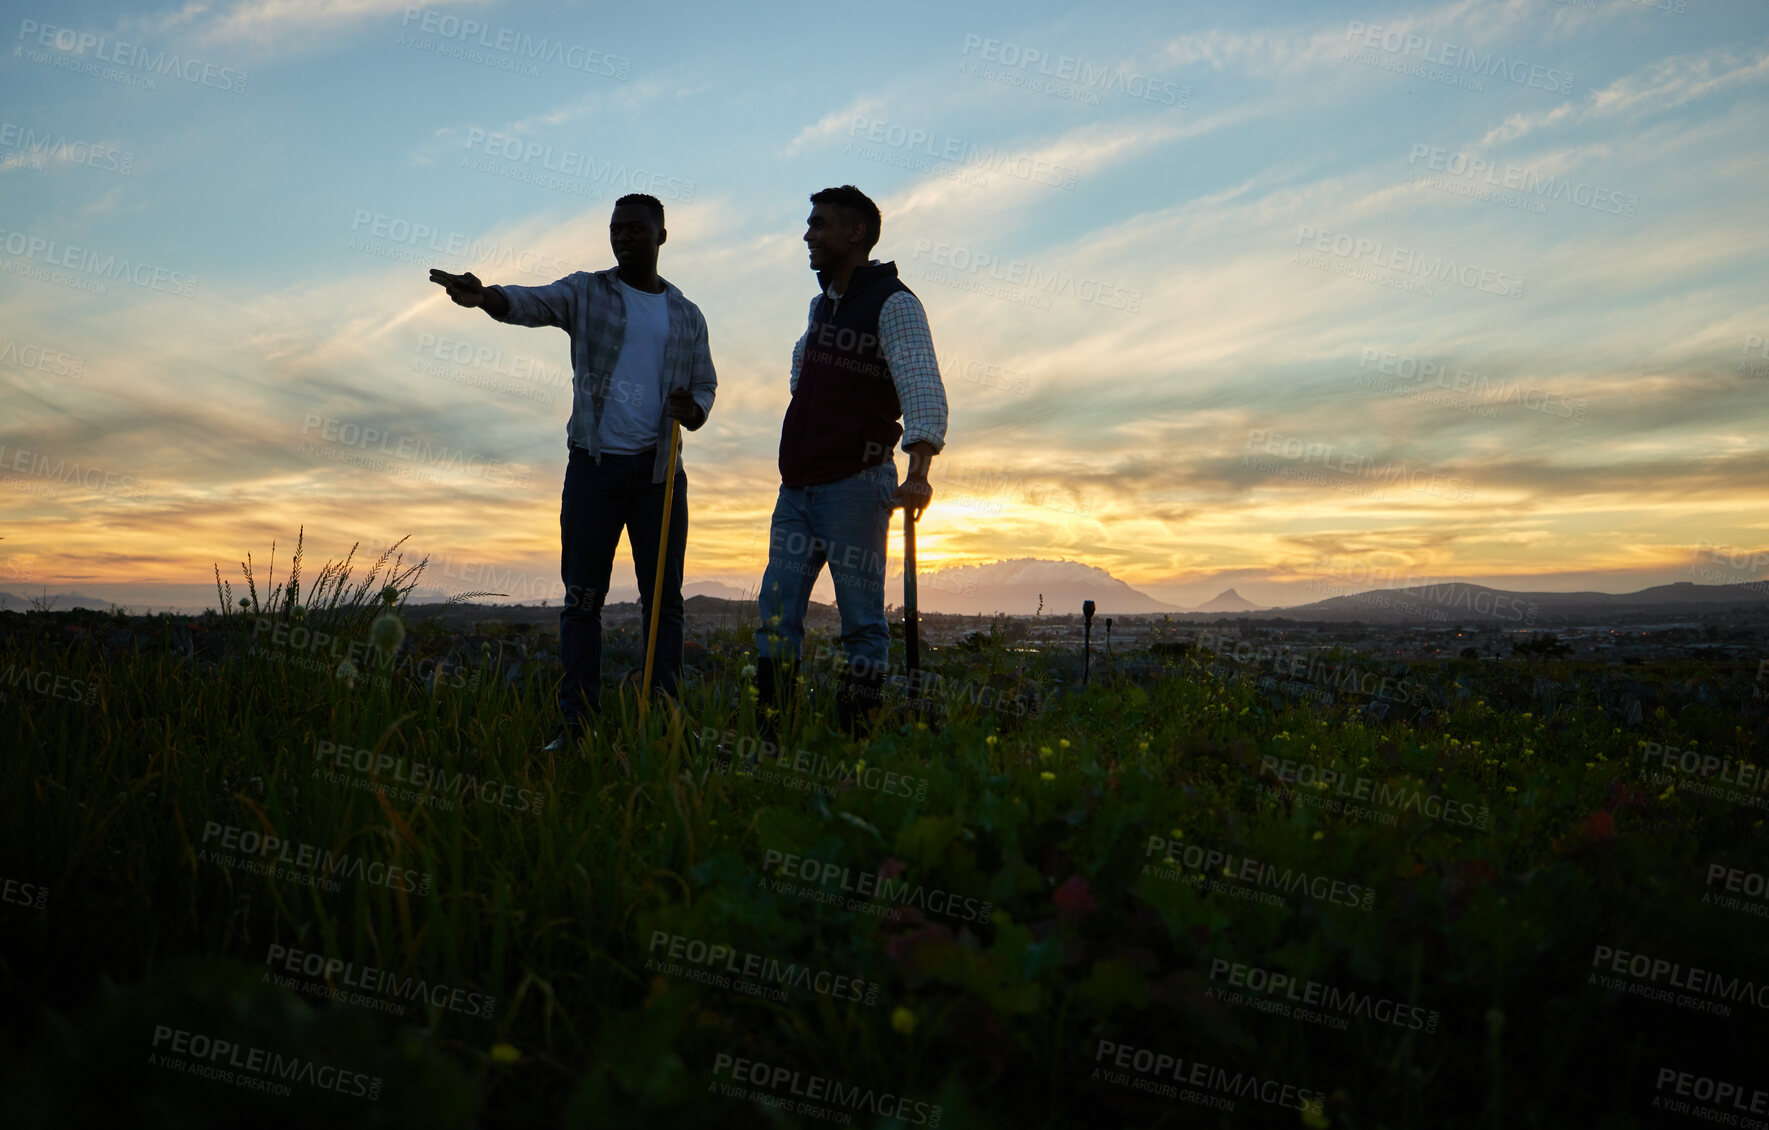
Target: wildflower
[903, 1020]
[1063, 742]
[1177, 834]
[387, 633]
[1143, 746]
[1048, 776]
[346, 671]
[749, 671]
[1043, 751]
[1510, 788]
[505, 1053]
[1320, 835]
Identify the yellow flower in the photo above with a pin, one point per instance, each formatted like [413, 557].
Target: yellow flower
[1063, 742]
[1320, 835]
[1143, 746]
[1313, 1116]
[505, 1053]
[1043, 751]
[990, 740]
[1048, 776]
[903, 1020]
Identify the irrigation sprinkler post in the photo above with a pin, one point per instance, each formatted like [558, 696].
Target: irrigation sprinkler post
[663, 547]
[1086, 640]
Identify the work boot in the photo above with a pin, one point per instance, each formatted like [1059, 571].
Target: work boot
[857, 700]
[776, 687]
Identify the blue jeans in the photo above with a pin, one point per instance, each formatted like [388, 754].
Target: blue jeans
[845, 525]
[597, 503]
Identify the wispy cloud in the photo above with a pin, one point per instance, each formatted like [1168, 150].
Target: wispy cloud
[1662, 85]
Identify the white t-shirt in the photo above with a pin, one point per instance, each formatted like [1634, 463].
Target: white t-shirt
[632, 411]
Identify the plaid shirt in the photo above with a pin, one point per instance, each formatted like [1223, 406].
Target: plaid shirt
[589, 306]
[908, 347]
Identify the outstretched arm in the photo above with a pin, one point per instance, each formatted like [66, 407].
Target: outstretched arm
[550, 305]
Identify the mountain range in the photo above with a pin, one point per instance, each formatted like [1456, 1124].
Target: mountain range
[1016, 587]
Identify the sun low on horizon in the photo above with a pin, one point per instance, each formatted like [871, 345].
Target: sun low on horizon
[1222, 295]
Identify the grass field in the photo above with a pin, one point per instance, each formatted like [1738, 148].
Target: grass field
[243, 888]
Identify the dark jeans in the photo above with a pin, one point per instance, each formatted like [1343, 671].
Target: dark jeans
[598, 502]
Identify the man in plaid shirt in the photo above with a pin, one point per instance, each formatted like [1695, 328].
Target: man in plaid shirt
[639, 359]
[865, 360]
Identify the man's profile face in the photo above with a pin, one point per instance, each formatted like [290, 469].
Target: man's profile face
[831, 232]
[634, 235]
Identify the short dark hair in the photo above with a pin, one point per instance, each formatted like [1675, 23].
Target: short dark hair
[857, 202]
[650, 202]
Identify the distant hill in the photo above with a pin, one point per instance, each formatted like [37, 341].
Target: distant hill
[713, 588]
[57, 601]
[1013, 587]
[1479, 604]
[1229, 601]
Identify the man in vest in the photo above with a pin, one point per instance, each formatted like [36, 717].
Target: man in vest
[639, 359]
[865, 360]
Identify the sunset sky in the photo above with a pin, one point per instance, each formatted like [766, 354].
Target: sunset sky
[1225, 294]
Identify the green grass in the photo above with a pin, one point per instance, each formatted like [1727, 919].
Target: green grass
[997, 1019]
